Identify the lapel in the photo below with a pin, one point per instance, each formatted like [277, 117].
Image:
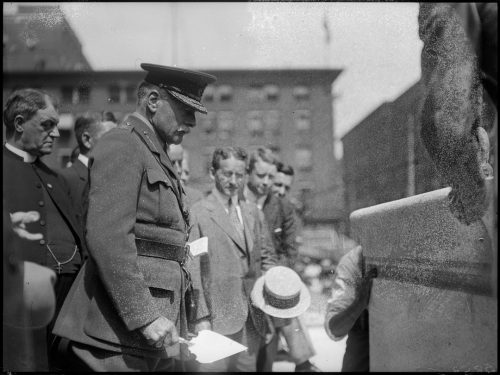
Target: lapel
[81, 170]
[249, 224]
[150, 138]
[219, 215]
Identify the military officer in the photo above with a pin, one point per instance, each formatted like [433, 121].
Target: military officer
[127, 307]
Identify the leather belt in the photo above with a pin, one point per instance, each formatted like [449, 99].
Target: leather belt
[161, 250]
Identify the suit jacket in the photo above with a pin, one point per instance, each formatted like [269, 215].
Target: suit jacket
[134, 193]
[231, 267]
[280, 218]
[77, 178]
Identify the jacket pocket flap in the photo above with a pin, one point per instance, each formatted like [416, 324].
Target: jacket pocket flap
[155, 176]
[160, 273]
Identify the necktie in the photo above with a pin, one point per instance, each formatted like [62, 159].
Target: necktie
[233, 215]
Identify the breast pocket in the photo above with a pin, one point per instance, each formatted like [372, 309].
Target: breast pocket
[158, 201]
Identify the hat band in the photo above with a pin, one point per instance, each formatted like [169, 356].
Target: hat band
[281, 303]
[176, 89]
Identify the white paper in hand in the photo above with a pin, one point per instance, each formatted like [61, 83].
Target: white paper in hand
[210, 346]
[199, 246]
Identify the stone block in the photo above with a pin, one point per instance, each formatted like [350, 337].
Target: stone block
[431, 306]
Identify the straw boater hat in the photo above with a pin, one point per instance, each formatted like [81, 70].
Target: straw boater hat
[185, 85]
[281, 293]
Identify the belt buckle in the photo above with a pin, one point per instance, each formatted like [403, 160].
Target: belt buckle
[187, 254]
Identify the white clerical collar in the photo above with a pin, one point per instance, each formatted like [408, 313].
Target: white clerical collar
[84, 159]
[137, 114]
[27, 157]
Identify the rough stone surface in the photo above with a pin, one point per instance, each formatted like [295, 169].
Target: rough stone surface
[431, 307]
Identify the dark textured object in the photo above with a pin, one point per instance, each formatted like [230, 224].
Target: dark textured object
[453, 108]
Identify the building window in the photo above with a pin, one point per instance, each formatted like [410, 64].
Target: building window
[208, 94]
[225, 124]
[67, 94]
[301, 93]
[272, 122]
[272, 92]
[225, 93]
[84, 94]
[255, 124]
[303, 159]
[208, 125]
[114, 94]
[302, 120]
[130, 94]
[255, 93]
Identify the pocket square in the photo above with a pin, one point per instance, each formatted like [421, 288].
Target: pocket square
[277, 230]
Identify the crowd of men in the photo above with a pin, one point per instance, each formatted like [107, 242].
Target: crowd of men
[108, 236]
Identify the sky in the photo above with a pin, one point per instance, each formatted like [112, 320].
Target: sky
[375, 44]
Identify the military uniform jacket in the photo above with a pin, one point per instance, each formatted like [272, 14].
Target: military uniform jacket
[281, 222]
[134, 194]
[231, 268]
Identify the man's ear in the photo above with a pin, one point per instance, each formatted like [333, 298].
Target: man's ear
[153, 100]
[86, 140]
[18, 123]
[212, 173]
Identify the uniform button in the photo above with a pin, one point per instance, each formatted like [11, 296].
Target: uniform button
[42, 222]
[49, 186]
[42, 242]
[41, 203]
[38, 185]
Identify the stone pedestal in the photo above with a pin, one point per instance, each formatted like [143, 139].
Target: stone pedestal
[431, 306]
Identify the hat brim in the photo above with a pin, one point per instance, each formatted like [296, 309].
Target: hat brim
[258, 300]
[190, 102]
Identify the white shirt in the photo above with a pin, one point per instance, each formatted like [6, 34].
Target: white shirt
[224, 201]
[84, 159]
[250, 196]
[27, 157]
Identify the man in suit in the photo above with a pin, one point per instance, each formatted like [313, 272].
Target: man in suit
[88, 130]
[127, 308]
[239, 249]
[31, 119]
[280, 219]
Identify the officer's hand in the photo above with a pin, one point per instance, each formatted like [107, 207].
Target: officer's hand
[201, 325]
[161, 332]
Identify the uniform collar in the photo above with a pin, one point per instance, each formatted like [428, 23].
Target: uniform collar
[144, 119]
[27, 157]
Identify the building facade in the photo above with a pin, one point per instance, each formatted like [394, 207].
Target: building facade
[384, 157]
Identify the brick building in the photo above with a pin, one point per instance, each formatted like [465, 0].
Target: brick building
[288, 110]
[384, 157]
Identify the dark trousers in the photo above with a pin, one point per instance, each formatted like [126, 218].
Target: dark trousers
[357, 351]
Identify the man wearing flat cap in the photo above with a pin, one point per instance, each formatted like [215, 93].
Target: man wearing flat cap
[127, 308]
